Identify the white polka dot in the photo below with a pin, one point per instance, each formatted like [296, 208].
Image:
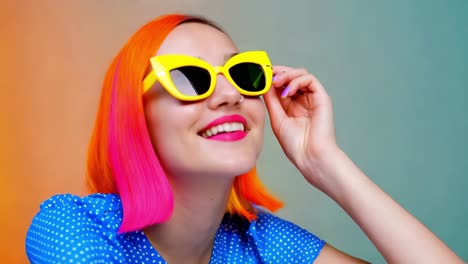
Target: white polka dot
[84, 230]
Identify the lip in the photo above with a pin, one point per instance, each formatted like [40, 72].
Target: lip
[226, 119]
[230, 136]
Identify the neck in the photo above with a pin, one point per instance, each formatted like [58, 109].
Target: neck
[199, 207]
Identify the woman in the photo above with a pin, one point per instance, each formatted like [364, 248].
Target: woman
[173, 155]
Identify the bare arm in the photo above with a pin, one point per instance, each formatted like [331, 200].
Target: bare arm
[301, 117]
[396, 234]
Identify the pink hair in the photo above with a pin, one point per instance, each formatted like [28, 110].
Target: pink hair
[121, 158]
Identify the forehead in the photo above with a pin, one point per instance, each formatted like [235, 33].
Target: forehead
[198, 40]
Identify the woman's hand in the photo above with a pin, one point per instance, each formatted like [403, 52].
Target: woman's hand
[301, 116]
[302, 119]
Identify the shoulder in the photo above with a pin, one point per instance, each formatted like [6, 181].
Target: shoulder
[94, 204]
[68, 225]
[74, 211]
[286, 240]
[268, 239]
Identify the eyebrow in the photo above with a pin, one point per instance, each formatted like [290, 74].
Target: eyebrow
[229, 55]
[226, 57]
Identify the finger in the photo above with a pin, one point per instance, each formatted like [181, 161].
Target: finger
[285, 75]
[275, 109]
[305, 83]
[284, 78]
[302, 83]
[277, 69]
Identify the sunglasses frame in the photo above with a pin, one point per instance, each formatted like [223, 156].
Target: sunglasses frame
[163, 64]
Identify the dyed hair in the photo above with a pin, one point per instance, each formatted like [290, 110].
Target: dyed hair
[121, 158]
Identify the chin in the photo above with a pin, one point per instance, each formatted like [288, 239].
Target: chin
[235, 167]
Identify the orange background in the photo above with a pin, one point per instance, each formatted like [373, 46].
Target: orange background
[396, 70]
[54, 55]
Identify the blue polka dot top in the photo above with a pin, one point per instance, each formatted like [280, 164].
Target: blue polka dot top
[71, 229]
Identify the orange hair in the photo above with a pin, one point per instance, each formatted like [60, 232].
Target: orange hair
[121, 158]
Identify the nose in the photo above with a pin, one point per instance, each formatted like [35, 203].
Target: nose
[224, 94]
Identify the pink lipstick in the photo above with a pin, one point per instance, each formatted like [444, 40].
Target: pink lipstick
[229, 136]
[226, 128]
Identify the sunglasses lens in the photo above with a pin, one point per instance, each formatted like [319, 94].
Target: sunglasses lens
[191, 80]
[248, 76]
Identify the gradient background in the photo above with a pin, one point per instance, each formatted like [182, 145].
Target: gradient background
[397, 72]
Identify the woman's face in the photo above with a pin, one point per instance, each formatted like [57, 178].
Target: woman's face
[176, 127]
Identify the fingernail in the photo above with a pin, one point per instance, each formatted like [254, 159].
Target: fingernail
[285, 92]
[275, 77]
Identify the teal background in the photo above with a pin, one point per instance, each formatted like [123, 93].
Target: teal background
[397, 72]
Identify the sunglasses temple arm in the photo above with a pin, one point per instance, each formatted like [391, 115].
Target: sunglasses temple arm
[149, 81]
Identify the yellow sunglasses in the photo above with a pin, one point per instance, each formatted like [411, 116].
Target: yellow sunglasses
[189, 78]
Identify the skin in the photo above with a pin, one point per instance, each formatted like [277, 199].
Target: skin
[201, 183]
[302, 121]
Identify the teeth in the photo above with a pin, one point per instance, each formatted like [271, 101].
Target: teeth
[226, 127]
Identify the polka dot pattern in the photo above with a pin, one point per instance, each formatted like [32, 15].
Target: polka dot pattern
[70, 229]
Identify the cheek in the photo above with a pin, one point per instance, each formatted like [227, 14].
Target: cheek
[258, 112]
[169, 123]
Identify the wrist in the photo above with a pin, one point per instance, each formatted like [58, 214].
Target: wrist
[320, 160]
[328, 170]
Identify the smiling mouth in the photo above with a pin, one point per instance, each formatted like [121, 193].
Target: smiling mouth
[229, 127]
